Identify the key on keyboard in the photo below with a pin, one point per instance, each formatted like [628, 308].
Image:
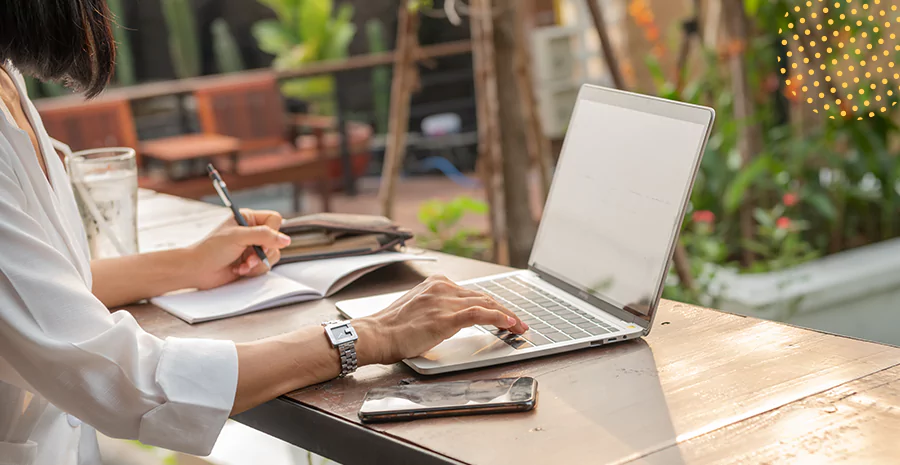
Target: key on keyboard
[551, 319]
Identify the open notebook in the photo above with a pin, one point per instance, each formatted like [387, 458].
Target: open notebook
[285, 284]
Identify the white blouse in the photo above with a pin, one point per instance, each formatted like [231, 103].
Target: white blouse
[64, 358]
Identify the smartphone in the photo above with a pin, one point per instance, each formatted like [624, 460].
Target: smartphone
[417, 401]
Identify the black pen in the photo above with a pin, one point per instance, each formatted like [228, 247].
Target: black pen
[222, 190]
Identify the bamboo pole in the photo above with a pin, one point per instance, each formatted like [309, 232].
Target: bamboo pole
[489, 151]
[749, 133]
[612, 63]
[405, 79]
[538, 144]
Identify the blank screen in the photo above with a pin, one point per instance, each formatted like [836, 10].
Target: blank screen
[616, 201]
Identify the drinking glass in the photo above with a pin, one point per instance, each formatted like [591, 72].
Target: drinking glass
[105, 182]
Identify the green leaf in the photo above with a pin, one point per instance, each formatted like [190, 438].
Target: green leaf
[314, 15]
[272, 37]
[746, 177]
[822, 204]
[764, 218]
[286, 10]
[751, 7]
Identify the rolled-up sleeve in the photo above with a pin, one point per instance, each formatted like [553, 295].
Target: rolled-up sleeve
[101, 367]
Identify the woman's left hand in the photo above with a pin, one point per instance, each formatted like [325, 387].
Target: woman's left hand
[227, 253]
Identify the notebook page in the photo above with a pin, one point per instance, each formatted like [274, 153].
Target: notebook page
[242, 296]
[325, 275]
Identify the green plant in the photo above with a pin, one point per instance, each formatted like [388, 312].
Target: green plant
[125, 74]
[183, 42]
[444, 233]
[817, 188]
[227, 52]
[306, 31]
[381, 77]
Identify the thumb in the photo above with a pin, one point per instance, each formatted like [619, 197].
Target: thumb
[262, 236]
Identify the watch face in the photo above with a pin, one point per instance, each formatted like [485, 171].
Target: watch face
[341, 333]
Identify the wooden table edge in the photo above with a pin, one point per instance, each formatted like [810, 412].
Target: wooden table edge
[335, 437]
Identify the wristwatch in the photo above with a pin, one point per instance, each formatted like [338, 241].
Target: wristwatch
[343, 337]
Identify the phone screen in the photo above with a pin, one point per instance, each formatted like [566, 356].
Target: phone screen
[450, 396]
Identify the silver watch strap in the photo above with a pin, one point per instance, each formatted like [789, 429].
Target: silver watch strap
[349, 362]
[347, 352]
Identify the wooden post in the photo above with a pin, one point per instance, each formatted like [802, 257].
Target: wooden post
[749, 132]
[489, 154]
[612, 63]
[405, 79]
[538, 144]
[513, 134]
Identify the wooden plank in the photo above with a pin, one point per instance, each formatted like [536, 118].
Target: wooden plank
[187, 86]
[490, 155]
[698, 371]
[728, 388]
[404, 80]
[856, 422]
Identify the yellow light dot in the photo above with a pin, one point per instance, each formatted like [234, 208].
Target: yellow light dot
[866, 103]
[886, 53]
[846, 56]
[784, 42]
[834, 61]
[802, 20]
[787, 81]
[850, 68]
[864, 34]
[799, 77]
[838, 101]
[830, 22]
[833, 90]
[871, 114]
[844, 85]
[875, 30]
[783, 70]
[857, 51]
[855, 108]
[797, 9]
[872, 86]
[846, 28]
[818, 55]
[779, 59]
[827, 106]
[828, 78]
[806, 32]
[890, 92]
[804, 89]
[877, 98]
[861, 91]
[816, 83]
[821, 95]
[806, 60]
[883, 109]
[853, 40]
[884, 81]
[835, 33]
[800, 48]
[815, 111]
[853, 11]
[893, 36]
[869, 46]
[862, 63]
[874, 57]
[829, 49]
[811, 72]
[868, 74]
[879, 69]
[809, 100]
[856, 80]
[822, 67]
[840, 45]
[818, 27]
[812, 43]
[871, 18]
[843, 113]
[858, 23]
[840, 73]
[790, 54]
[794, 65]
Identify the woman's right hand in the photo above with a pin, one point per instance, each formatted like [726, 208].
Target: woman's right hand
[426, 316]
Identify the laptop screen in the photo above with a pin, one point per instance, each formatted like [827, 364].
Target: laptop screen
[616, 202]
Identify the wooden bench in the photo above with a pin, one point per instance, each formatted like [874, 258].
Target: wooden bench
[245, 129]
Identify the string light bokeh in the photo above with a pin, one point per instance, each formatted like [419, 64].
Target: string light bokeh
[840, 56]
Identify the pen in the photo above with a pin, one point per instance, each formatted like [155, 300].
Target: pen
[222, 190]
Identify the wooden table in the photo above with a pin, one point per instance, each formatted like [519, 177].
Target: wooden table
[192, 147]
[703, 387]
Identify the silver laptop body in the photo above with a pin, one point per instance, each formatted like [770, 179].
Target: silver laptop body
[602, 252]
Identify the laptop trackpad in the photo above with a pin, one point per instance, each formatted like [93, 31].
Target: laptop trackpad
[467, 345]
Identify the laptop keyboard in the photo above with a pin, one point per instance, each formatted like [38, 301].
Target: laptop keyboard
[550, 318]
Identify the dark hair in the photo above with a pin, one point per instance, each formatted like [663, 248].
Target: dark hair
[59, 40]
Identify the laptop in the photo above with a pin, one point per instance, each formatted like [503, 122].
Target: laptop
[602, 252]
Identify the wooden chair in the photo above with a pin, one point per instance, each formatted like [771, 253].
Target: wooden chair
[90, 125]
[253, 111]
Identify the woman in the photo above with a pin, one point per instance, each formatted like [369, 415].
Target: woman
[65, 359]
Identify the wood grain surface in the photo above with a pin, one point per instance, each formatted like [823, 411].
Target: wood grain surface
[703, 387]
